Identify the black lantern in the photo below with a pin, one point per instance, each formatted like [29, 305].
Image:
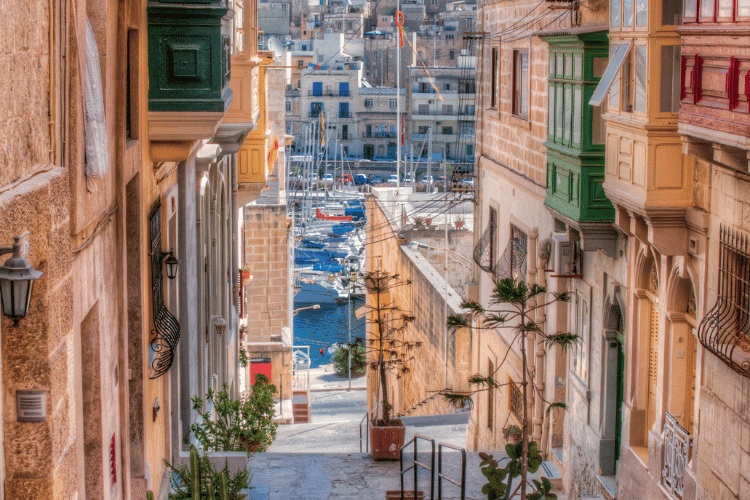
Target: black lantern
[16, 278]
[171, 263]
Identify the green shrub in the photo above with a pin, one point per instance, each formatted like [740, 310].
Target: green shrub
[238, 424]
[200, 475]
[340, 360]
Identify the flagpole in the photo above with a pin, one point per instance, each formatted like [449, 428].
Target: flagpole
[398, 105]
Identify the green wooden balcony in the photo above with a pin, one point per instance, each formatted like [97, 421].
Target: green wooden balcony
[574, 188]
[188, 56]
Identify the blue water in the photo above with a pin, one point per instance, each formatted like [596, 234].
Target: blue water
[319, 328]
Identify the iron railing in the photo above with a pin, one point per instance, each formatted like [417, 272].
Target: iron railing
[441, 476]
[511, 263]
[725, 330]
[483, 250]
[677, 443]
[416, 464]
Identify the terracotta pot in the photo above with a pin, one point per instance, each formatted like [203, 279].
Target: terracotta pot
[408, 495]
[386, 440]
[251, 447]
[458, 223]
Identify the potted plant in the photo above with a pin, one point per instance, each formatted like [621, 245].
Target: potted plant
[387, 352]
[340, 360]
[512, 434]
[244, 424]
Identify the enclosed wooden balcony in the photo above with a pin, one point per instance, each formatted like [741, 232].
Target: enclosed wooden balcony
[189, 69]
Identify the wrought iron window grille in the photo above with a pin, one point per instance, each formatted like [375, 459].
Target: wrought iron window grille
[515, 400]
[483, 250]
[166, 331]
[725, 330]
[512, 263]
[677, 444]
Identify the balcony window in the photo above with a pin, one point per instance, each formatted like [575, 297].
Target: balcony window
[317, 88]
[343, 110]
[641, 77]
[614, 11]
[627, 13]
[690, 9]
[671, 12]
[641, 13]
[521, 83]
[288, 106]
[512, 263]
[344, 89]
[670, 79]
[315, 109]
[447, 131]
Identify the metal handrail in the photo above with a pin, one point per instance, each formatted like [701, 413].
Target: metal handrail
[416, 463]
[442, 476]
[367, 440]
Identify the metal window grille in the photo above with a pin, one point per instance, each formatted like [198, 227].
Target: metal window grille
[512, 263]
[483, 250]
[677, 443]
[725, 330]
[515, 400]
[166, 331]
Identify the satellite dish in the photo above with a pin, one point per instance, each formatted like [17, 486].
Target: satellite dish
[276, 47]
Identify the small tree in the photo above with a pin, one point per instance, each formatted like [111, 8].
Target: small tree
[513, 304]
[340, 359]
[391, 352]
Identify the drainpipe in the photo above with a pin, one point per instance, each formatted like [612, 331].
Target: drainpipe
[536, 365]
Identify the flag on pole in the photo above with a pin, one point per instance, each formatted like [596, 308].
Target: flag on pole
[322, 130]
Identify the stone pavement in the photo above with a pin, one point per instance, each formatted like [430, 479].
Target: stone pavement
[322, 460]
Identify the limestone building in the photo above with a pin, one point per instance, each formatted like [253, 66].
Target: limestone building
[128, 165]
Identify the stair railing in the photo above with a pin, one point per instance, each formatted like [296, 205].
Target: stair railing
[416, 464]
[442, 476]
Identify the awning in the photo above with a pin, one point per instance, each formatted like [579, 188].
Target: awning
[615, 63]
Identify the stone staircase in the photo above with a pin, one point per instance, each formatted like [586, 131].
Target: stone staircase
[301, 407]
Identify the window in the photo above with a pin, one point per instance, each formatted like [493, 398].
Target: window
[493, 78]
[627, 13]
[423, 129]
[449, 37]
[131, 87]
[641, 12]
[437, 55]
[343, 110]
[368, 130]
[288, 106]
[368, 103]
[420, 54]
[447, 86]
[690, 9]
[315, 109]
[515, 400]
[344, 132]
[521, 83]
[447, 131]
[392, 103]
[641, 72]
[451, 54]
[317, 88]
[670, 79]
[619, 52]
[580, 326]
[320, 58]
[344, 89]
[671, 11]
[424, 109]
[614, 11]
[447, 109]
[627, 89]
[469, 150]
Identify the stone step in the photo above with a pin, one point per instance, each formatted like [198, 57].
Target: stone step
[551, 472]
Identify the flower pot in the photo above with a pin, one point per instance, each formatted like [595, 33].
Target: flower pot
[386, 440]
[458, 223]
[408, 495]
[249, 446]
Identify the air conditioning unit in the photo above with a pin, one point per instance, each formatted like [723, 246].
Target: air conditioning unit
[565, 256]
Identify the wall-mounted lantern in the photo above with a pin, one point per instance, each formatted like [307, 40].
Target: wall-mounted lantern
[170, 264]
[16, 278]
[220, 324]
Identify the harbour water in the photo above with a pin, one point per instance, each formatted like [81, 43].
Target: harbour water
[319, 328]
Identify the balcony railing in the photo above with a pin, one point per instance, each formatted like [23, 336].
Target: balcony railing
[483, 251]
[677, 443]
[315, 93]
[379, 135]
[725, 330]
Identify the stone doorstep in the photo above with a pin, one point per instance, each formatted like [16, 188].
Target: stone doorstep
[549, 470]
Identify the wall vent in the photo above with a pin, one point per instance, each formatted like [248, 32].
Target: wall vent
[31, 406]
